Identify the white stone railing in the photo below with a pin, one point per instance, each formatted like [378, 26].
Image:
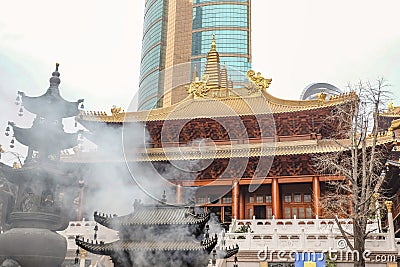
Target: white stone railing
[316, 226]
[299, 240]
[301, 234]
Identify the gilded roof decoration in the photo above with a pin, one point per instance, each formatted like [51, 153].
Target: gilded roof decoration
[267, 149]
[392, 111]
[207, 107]
[198, 88]
[322, 96]
[395, 125]
[261, 82]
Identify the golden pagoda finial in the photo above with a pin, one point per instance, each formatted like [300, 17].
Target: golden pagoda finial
[261, 82]
[198, 88]
[213, 43]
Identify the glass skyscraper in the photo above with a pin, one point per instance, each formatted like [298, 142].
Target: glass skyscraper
[179, 33]
[230, 22]
[152, 49]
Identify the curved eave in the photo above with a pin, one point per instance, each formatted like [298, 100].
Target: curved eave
[127, 246]
[229, 252]
[390, 116]
[267, 149]
[49, 105]
[189, 108]
[39, 139]
[118, 222]
[394, 163]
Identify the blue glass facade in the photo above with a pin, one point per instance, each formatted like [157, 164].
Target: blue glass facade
[229, 20]
[152, 51]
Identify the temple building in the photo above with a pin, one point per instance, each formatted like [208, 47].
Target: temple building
[390, 119]
[245, 152]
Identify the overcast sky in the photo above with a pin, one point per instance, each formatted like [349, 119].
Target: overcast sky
[98, 44]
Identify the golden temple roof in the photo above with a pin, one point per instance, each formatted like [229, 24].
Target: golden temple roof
[266, 149]
[393, 112]
[208, 107]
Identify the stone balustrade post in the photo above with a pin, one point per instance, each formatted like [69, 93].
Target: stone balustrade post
[303, 239]
[276, 238]
[273, 224]
[331, 238]
[389, 205]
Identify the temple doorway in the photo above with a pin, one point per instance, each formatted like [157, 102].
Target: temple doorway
[260, 211]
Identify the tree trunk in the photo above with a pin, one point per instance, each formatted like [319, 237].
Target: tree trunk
[359, 243]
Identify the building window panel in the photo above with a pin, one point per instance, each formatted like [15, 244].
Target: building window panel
[287, 213]
[269, 213]
[301, 213]
[309, 213]
[251, 199]
[294, 212]
[227, 200]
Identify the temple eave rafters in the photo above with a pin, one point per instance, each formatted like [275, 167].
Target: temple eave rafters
[33, 138]
[152, 216]
[261, 181]
[260, 149]
[112, 247]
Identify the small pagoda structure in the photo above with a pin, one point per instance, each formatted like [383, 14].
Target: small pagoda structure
[157, 235]
[39, 209]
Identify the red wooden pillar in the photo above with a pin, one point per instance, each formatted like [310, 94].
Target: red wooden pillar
[242, 206]
[235, 199]
[276, 211]
[316, 195]
[179, 194]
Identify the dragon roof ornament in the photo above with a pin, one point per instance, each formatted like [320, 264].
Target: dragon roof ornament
[261, 82]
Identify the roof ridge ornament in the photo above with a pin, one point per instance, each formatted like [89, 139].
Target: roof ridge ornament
[261, 82]
[55, 79]
[391, 107]
[197, 88]
[395, 125]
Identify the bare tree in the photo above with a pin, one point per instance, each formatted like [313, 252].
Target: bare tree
[359, 163]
